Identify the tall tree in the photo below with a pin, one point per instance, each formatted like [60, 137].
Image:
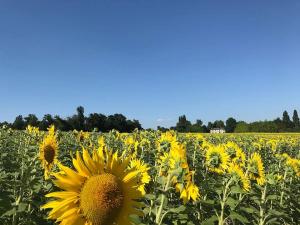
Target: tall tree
[197, 127]
[230, 125]
[62, 124]
[286, 120]
[96, 120]
[209, 126]
[19, 123]
[32, 120]
[80, 118]
[46, 122]
[183, 124]
[241, 127]
[296, 120]
[218, 124]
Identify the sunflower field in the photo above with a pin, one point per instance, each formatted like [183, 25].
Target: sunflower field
[148, 177]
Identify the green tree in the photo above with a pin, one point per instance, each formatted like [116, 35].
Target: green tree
[183, 125]
[230, 125]
[96, 120]
[209, 126]
[197, 127]
[218, 124]
[296, 120]
[241, 127]
[286, 120]
[80, 118]
[32, 120]
[46, 122]
[62, 124]
[19, 123]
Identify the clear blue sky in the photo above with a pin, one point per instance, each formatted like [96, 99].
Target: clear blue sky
[150, 60]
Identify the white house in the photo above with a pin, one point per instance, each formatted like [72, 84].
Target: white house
[217, 131]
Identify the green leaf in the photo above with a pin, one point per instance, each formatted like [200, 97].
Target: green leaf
[10, 212]
[272, 197]
[236, 216]
[208, 202]
[236, 190]
[248, 210]
[232, 203]
[210, 221]
[135, 219]
[150, 196]
[178, 210]
[22, 207]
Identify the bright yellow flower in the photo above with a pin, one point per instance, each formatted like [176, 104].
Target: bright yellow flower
[178, 154]
[237, 171]
[51, 130]
[101, 191]
[294, 164]
[191, 191]
[32, 130]
[101, 143]
[256, 169]
[235, 153]
[217, 159]
[81, 136]
[169, 136]
[48, 153]
[143, 168]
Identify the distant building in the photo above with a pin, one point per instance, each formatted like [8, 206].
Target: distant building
[217, 131]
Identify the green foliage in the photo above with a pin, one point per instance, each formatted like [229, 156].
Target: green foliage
[78, 121]
[230, 125]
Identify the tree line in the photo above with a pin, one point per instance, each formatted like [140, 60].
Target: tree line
[103, 123]
[94, 121]
[231, 125]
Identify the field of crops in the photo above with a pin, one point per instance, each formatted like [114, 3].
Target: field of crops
[148, 178]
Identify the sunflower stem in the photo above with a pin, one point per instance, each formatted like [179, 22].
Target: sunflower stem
[261, 207]
[223, 202]
[282, 188]
[158, 219]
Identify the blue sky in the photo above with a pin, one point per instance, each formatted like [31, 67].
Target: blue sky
[150, 60]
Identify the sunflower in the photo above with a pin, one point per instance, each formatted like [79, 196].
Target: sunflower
[32, 130]
[294, 164]
[81, 136]
[235, 153]
[169, 136]
[178, 154]
[188, 190]
[143, 168]
[217, 159]
[48, 153]
[191, 191]
[238, 172]
[102, 190]
[256, 169]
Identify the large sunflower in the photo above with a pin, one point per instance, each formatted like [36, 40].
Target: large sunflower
[101, 191]
[256, 169]
[238, 172]
[217, 159]
[236, 154]
[48, 153]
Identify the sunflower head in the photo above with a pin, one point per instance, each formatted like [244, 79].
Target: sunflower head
[101, 198]
[241, 178]
[81, 136]
[32, 130]
[102, 190]
[217, 159]
[256, 169]
[294, 164]
[48, 153]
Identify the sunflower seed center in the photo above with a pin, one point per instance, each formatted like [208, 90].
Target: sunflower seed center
[101, 199]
